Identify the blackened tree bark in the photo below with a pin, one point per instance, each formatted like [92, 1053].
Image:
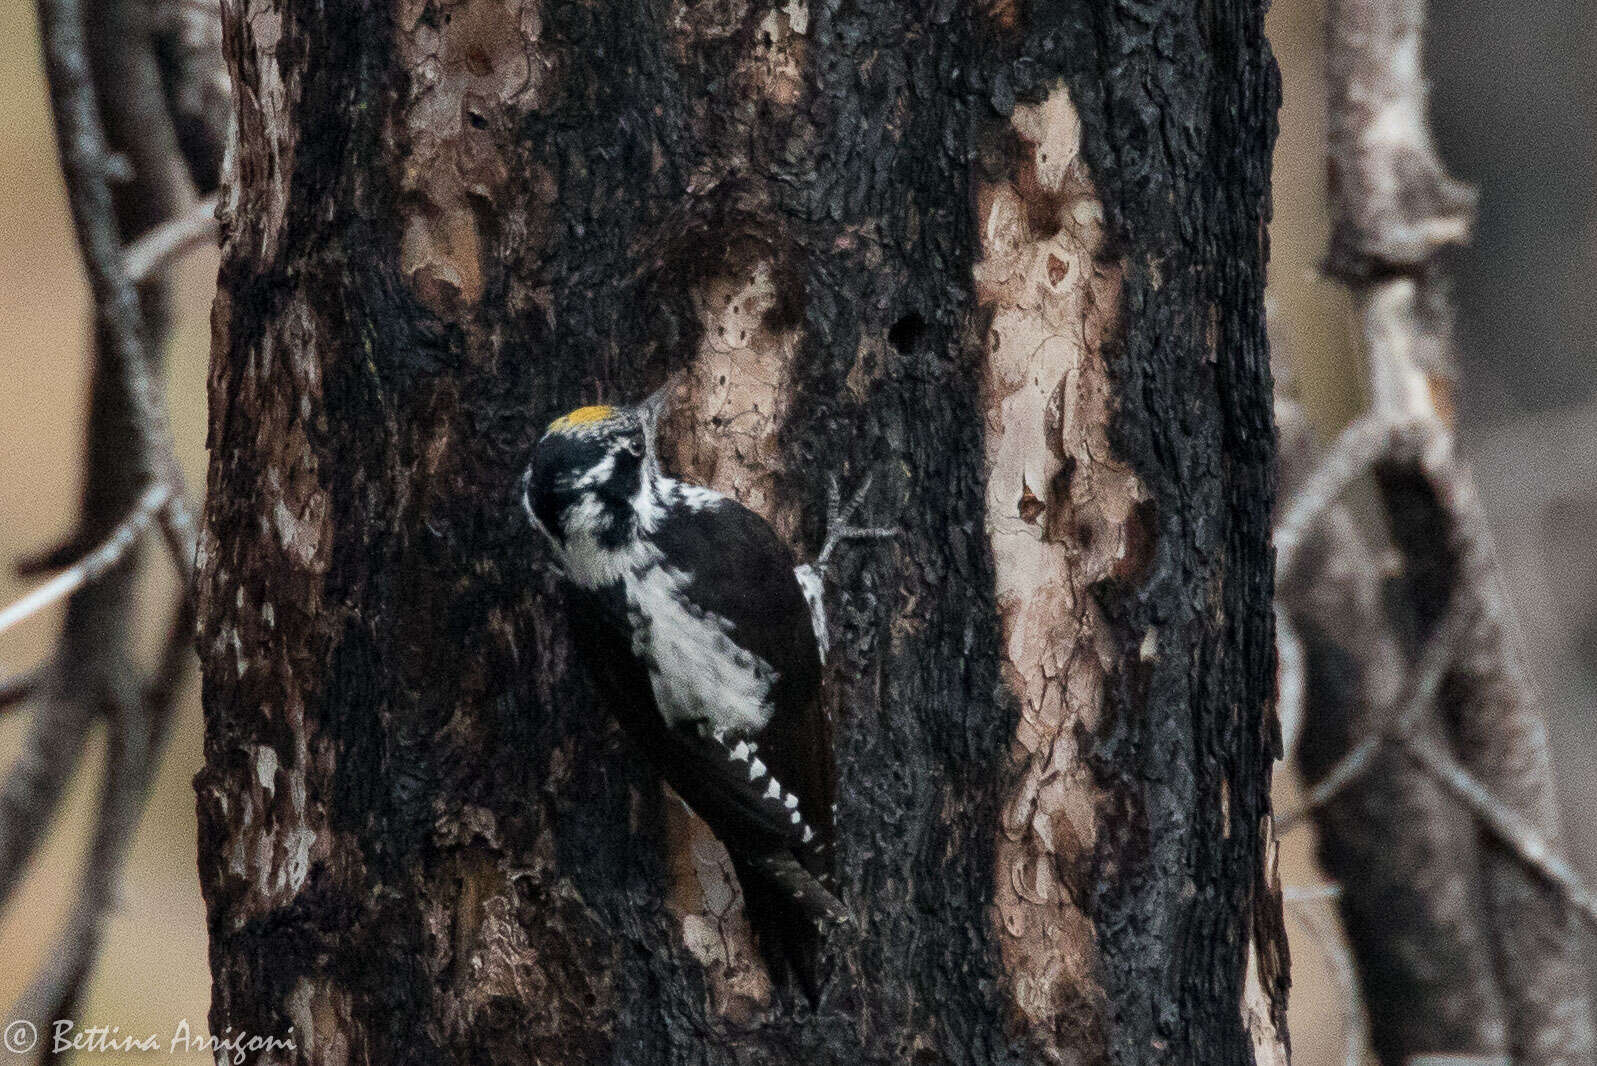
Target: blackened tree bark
[1008, 257]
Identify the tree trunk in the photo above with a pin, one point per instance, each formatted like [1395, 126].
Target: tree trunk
[1005, 259]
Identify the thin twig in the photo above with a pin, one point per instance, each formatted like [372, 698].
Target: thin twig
[137, 731]
[1291, 671]
[1507, 827]
[1394, 211]
[161, 246]
[14, 690]
[91, 566]
[1420, 687]
[55, 989]
[1355, 452]
[128, 462]
[1501, 739]
[1311, 893]
[1404, 852]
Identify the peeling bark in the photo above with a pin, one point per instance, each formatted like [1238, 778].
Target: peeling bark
[1062, 516]
[956, 251]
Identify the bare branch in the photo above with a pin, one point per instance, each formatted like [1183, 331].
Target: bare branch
[137, 730]
[161, 246]
[1501, 739]
[1394, 206]
[1419, 698]
[1291, 677]
[14, 690]
[133, 736]
[1394, 210]
[1311, 893]
[85, 162]
[1506, 826]
[91, 566]
[1404, 854]
[1356, 450]
[33, 785]
[130, 472]
[188, 48]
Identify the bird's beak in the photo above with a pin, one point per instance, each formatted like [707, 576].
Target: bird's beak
[650, 410]
[653, 405]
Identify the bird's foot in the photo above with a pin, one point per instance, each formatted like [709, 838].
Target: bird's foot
[839, 527]
[840, 519]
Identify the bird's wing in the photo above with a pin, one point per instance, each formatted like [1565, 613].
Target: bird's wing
[742, 572]
[750, 794]
[738, 569]
[729, 785]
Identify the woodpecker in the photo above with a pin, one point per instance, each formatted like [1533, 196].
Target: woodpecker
[707, 642]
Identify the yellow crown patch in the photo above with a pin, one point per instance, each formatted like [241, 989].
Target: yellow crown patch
[582, 416]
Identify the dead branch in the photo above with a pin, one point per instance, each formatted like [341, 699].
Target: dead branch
[188, 40]
[1421, 686]
[1310, 893]
[1404, 855]
[1500, 737]
[1290, 681]
[73, 688]
[54, 991]
[85, 162]
[158, 248]
[1393, 205]
[92, 565]
[1513, 832]
[1351, 458]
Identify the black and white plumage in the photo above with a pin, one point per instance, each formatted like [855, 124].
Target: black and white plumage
[708, 644]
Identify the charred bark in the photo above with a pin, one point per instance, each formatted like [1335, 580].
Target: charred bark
[422, 841]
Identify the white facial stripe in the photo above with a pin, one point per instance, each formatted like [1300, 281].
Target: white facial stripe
[646, 505]
[599, 474]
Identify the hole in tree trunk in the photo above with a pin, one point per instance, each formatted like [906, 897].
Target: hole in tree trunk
[906, 332]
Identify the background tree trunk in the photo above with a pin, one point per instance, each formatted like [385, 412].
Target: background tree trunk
[1008, 258]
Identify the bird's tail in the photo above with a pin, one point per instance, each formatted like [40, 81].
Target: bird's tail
[793, 916]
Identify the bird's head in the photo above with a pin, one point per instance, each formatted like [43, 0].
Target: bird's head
[590, 470]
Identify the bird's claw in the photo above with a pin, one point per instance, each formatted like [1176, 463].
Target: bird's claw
[839, 526]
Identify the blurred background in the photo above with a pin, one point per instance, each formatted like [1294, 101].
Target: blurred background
[1515, 111]
[153, 968]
